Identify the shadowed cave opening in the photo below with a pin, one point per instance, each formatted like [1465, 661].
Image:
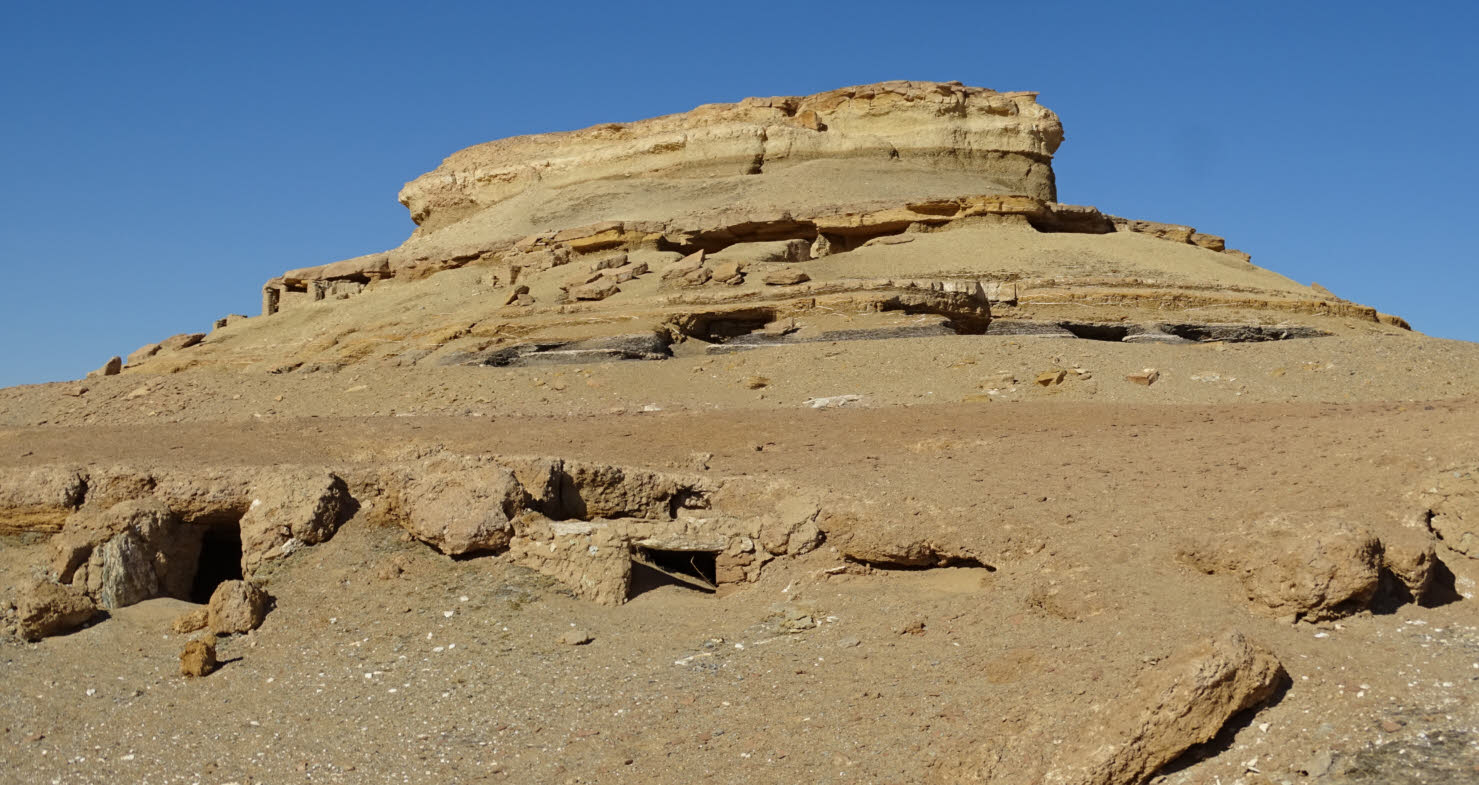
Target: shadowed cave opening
[220, 559]
[653, 568]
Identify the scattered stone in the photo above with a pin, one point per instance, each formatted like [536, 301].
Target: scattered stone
[729, 273]
[848, 643]
[821, 247]
[685, 266]
[237, 606]
[576, 637]
[785, 276]
[1317, 765]
[599, 290]
[697, 277]
[199, 658]
[511, 295]
[609, 263]
[47, 609]
[832, 401]
[1051, 378]
[911, 627]
[756, 382]
[191, 621]
[1146, 377]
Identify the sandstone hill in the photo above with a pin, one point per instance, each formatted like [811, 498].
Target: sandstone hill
[760, 222]
[802, 439]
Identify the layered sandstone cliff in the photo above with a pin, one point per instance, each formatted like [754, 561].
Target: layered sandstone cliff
[1006, 139]
[758, 223]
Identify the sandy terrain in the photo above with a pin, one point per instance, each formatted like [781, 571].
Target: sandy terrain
[362, 677]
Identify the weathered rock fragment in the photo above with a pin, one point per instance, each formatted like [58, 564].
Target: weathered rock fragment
[235, 607]
[1183, 701]
[1179, 703]
[199, 657]
[191, 621]
[112, 367]
[46, 609]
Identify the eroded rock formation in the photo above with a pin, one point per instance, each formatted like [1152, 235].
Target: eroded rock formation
[1004, 137]
[904, 197]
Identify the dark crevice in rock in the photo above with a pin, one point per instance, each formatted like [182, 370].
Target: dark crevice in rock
[1120, 332]
[653, 568]
[219, 560]
[918, 564]
[643, 346]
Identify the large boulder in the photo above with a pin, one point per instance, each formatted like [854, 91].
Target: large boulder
[1181, 702]
[237, 606]
[1315, 567]
[460, 511]
[46, 609]
[128, 553]
[288, 509]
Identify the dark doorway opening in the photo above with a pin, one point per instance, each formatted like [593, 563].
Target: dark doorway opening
[220, 559]
[653, 568]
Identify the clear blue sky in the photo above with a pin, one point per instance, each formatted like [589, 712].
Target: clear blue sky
[161, 160]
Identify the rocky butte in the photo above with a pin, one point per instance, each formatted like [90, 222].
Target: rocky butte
[760, 443]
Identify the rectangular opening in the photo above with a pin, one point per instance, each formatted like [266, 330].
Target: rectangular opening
[653, 568]
[220, 558]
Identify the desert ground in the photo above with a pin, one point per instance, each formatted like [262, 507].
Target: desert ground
[386, 661]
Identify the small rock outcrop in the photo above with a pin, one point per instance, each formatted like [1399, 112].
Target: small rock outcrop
[1183, 701]
[1449, 507]
[1314, 567]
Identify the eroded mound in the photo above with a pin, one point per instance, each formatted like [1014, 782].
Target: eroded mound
[770, 215]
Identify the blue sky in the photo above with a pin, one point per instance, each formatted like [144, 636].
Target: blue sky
[161, 160]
